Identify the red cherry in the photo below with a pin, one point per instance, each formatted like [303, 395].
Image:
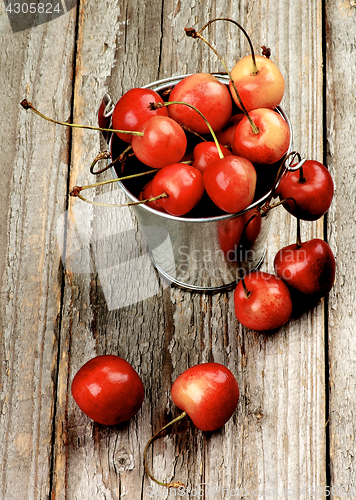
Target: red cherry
[184, 186]
[108, 390]
[146, 194]
[310, 188]
[230, 182]
[205, 153]
[163, 142]
[225, 136]
[252, 228]
[132, 111]
[266, 305]
[262, 90]
[211, 97]
[270, 144]
[208, 393]
[229, 236]
[308, 268]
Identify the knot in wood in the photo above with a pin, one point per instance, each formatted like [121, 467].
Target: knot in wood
[123, 461]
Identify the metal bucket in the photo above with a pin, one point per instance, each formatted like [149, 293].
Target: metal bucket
[204, 253]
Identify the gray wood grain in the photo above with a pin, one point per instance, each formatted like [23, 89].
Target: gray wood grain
[36, 64]
[276, 440]
[107, 297]
[341, 59]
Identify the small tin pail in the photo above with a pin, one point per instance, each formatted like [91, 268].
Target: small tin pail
[197, 252]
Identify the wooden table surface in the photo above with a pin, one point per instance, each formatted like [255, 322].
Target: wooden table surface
[293, 434]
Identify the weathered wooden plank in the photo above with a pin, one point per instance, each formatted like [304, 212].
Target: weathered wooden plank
[340, 64]
[36, 64]
[276, 440]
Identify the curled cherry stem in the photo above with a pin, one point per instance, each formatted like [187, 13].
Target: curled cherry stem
[281, 170]
[194, 34]
[27, 105]
[255, 69]
[173, 484]
[104, 155]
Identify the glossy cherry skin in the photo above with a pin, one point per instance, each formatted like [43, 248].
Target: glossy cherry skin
[208, 393]
[230, 182]
[309, 269]
[225, 136]
[146, 194]
[262, 90]
[184, 186]
[270, 144]
[211, 97]
[205, 153]
[269, 305]
[108, 390]
[164, 142]
[132, 111]
[311, 196]
[229, 236]
[252, 227]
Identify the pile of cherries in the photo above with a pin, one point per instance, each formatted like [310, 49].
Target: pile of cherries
[241, 137]
[237, 136]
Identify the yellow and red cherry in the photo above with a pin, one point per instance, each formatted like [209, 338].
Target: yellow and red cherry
[231, 183]
[269, 144]
[308, 191]
[163, 142]
[262, 301]
[208, 393]
[211, 97]
[206, 152]
[183, 185]
[261, 89]
[132, 111]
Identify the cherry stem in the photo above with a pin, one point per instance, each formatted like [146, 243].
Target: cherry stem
[281, 170]
[129, 204]
[299, 240]
[246, 290]
[191, 131]
[281, 202]
[75, 191]
[254, 65]
[302, 179]
[173, 484]
[104, 155]
[161, 105]
[191, 32]
[27, 105]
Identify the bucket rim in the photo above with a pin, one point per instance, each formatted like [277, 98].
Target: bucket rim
[163, 84]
